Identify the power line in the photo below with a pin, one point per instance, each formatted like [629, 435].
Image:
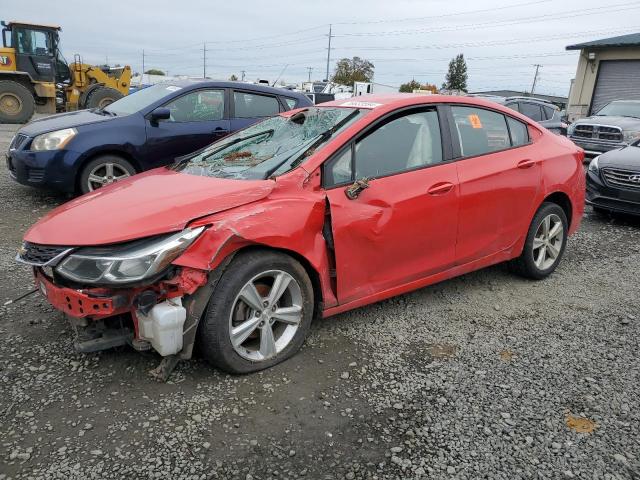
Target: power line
[445, 15]
[529, 19]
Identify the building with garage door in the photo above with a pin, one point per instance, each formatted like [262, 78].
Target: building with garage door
[608, 69]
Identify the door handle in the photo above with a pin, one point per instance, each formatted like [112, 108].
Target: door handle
[528, 163]
[440, 188]
[220, 130]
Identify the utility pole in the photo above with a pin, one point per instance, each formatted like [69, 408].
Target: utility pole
[242, 72]
[310, 70]
[328, 54]
[142, 76]
[535, 78]
[204, 60]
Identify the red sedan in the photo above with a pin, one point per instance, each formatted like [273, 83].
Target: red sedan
[310, 213]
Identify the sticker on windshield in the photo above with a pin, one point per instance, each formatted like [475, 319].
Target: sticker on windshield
[361, 104]
[475, 121]
[173, 88]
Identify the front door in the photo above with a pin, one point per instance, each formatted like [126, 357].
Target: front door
[35, 53]
[403, 226]
[197, 119]
[499, 176]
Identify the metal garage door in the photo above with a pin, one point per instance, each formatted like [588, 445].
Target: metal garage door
[617, 80]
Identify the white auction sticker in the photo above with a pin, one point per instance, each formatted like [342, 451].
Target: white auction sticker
[360, 104]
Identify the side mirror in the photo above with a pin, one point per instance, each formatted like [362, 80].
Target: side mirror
[160, 113]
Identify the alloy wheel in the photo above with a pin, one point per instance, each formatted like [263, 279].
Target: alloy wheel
[547, 242]
[106, 173]
[265, 315]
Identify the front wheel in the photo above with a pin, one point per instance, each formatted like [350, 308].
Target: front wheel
[259, 314]
[104, 170]
[545, 243]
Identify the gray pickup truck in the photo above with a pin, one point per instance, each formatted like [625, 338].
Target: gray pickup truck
[616, 125]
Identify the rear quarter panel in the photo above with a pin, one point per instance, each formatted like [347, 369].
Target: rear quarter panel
[562, 171]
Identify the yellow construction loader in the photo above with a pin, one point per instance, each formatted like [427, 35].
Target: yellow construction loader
[35, 77]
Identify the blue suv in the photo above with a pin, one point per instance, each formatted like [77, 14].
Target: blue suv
[84, 150]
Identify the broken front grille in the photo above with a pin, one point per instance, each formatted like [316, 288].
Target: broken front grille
[39, 255]
[617, 177]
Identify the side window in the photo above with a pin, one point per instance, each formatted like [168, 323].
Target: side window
[290, 102]
[548, 111]
[250, 105]
[513, 106]
[480, 131]
[519, 132]
[531, 110]
[338, 170]
[198, 106]
[34, 42]
[404, 143]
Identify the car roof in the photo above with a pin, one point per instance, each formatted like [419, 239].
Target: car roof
[253, 87]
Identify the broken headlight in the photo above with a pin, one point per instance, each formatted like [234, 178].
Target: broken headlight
[126, 263]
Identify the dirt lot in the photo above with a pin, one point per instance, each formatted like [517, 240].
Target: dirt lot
[484, 376]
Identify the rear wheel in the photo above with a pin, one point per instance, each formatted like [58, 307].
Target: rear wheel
[545, 243]
[259, 314]
[104, 170]
[101, 97]
[16, 102]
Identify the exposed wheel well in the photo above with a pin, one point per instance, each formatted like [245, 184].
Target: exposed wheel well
[116, 153]
[562, 199]
[313, 274]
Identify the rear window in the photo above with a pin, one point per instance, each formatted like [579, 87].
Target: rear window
[250, 105]
[531, 110]
[519, 132]
[480, 131]
[291, 102]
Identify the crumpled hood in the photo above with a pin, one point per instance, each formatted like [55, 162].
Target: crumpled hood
[63, 120]
[152, 203]
[626, 123]
[627, 157]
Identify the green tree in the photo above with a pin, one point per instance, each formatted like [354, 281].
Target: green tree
[456, 78]
[154, 71]
[233, 78]
[349, 70]
[409, 87]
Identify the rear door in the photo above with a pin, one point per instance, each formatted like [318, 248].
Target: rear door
[248, 108]
[403, 226]
[198, 118]
[499, 172]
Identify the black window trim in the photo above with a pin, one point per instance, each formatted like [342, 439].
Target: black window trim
[232, 102]
[456, 145]
[445, 140]
[225, 113]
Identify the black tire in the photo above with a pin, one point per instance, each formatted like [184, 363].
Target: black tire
[101, 97]
[213, 339]
[525, 265]
[119, 164]
[16, 102]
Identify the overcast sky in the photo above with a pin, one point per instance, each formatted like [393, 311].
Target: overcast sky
[502, 40]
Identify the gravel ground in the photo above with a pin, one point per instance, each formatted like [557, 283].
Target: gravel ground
[485, 376]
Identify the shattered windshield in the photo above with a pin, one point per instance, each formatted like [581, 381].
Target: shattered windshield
[271, 147]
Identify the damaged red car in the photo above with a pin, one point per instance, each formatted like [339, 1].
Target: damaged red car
[237, 247]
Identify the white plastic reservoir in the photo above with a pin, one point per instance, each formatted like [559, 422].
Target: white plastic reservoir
[163, 326]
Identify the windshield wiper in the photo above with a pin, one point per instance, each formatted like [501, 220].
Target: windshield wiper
[180, 161]
[312, 144]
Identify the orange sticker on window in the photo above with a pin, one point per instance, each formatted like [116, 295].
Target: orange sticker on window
[475, 121]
